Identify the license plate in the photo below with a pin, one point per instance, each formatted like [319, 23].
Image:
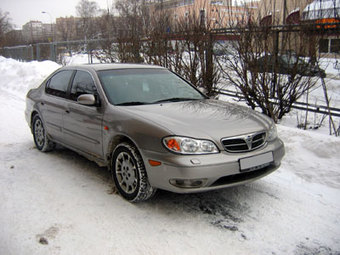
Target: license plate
[256, 162]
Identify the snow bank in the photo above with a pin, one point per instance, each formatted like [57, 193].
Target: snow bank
[19, 77]
[77, 59]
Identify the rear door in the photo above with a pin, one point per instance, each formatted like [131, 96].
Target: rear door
[83, 124]
[52, 106]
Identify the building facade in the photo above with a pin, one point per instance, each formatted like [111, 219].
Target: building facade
[69, 28]
[36, 31]
[210, 13]
[280, 12]
[325, 13]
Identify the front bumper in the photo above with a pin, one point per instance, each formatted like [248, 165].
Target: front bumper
[214, 171]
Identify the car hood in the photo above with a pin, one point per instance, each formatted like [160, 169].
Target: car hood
[209, 119]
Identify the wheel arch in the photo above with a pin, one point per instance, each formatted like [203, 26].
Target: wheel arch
[118, 139]
[143, 191]
[33, 114]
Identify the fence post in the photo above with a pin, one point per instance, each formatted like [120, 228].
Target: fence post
[31, 53]
[52, 52]
[209, 63]
[37, 47]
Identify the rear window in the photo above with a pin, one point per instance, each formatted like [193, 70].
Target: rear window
[58, 84]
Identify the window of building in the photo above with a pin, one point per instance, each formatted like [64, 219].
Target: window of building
[323, 46]
[202, 17]
[329, 46]
[335, 46]
[216, 2]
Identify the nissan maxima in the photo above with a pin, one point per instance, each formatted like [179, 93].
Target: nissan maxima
[152, 129]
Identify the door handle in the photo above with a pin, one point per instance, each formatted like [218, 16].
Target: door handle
[67, 111]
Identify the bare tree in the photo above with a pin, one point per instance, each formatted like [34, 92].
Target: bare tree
[272, 66]
[133, 24]
[88, 10]
[107, 26]
[5, 26]
[66, 28]
[197, 62]
[157, 47]
[183, 44]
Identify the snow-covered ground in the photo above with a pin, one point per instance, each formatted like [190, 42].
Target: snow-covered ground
[60, 203]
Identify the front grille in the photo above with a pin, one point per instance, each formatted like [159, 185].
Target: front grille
[244, 143]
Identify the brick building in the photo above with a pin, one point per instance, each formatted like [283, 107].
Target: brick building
[210, 13]
[36, 31]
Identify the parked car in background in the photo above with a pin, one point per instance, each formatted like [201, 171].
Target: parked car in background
[223, 48]
[152, 129]
[285, 64]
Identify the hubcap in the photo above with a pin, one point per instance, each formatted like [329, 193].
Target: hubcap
[126, 172]
[39, 133]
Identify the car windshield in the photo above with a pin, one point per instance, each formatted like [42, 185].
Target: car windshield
[145, 86]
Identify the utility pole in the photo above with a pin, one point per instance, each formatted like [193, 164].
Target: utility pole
[284, 15]
[52, 32]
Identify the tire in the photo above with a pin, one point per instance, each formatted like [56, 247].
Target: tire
[129, 174]
[42, 142]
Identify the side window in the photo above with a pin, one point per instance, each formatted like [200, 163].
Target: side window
[82, 84]
[58, 84]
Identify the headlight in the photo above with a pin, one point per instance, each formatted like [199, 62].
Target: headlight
[272, 133]
[187, 145]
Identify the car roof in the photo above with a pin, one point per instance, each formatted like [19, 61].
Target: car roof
[100, 67]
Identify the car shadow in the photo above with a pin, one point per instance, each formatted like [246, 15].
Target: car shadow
[79, 163]
[225, 209]
[228, 209]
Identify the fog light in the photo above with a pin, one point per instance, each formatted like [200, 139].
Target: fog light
[185, 183]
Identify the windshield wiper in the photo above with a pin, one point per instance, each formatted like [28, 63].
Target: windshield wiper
[174, 99]
[132, 103]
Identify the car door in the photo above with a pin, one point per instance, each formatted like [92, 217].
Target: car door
[52, 105]
[83, 124]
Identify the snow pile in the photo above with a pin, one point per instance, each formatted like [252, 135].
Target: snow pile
[331, 66]
[79, 58]
[60, 203]
[19, 77]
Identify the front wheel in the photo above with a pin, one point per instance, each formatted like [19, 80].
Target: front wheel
[41, 140]
[129, 174]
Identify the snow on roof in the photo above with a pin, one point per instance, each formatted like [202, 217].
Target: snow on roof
[321, 9]
[322, 4]
[297, 9]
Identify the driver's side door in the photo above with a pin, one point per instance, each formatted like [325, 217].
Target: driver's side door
[83, 124]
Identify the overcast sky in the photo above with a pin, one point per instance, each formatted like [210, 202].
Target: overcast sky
[22, 11]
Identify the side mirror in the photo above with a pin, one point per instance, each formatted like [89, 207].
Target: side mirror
[87, 99]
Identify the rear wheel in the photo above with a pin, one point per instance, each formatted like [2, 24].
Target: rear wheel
[42, 142]
[129, 174]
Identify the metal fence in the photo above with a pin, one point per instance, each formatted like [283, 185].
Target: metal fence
[316, 108]
[48, 51]
[22, 53]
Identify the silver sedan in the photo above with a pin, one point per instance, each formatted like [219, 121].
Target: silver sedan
[152, 129]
